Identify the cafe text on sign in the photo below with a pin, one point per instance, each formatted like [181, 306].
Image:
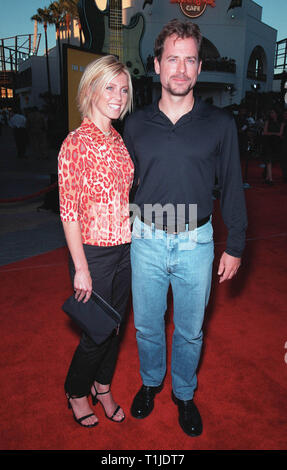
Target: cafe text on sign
[193, 8]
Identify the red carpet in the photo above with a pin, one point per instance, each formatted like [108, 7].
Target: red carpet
[242, 378]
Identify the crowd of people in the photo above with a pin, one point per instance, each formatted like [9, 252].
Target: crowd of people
[265, 138]
[35, 130]
[30, 130]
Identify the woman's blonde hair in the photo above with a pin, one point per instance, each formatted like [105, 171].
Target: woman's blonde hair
[94, 80]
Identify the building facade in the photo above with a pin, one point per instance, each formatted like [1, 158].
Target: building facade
[32, 81]
[32, 77]
[238, 48]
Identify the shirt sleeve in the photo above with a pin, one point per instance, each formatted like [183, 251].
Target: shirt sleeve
[70, 177]
[232, 198]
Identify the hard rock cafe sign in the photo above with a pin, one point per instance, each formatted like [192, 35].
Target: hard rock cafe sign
[194, 8]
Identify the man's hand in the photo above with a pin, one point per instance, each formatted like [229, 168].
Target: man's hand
[228, 267]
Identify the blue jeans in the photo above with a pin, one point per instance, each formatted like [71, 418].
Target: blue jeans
[183, 261]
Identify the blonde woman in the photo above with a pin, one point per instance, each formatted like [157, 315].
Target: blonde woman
[95, 177]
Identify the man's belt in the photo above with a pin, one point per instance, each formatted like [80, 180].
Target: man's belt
[177, 228]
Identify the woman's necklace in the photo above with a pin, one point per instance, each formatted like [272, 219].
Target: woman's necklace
[106, 133]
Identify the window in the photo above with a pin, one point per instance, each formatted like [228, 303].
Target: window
[257, 64]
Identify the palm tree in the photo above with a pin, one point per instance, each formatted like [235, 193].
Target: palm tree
[57, 14]
[44, 17]
[71, 9]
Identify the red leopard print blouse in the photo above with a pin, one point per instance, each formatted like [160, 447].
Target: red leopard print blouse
[95, 177]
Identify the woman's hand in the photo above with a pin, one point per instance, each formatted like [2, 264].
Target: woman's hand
[82, 285]
[82, 279]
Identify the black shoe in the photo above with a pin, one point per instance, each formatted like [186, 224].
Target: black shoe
[117, 407]
[189, 417]
[144, 401]
[82, 418]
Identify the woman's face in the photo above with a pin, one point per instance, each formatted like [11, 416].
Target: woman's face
[110, 103]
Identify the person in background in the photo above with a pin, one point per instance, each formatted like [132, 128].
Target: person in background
[272, 133]
[1, 122]
[17, 122]
[37, 131]
[179, 145]
[283, 153]
[95, 177]
[242, 129]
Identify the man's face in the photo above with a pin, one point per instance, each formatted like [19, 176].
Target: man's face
[179, 66]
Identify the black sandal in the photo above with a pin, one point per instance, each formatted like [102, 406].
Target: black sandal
[95, 400]
[79, 420]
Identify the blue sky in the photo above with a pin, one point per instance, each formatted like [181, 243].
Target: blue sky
[275, 14]
[15, 17]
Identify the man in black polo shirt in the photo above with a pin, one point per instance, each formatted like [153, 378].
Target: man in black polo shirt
[179, 146]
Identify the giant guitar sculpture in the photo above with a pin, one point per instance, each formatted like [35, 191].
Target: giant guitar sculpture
[93, 25]
[104, 32]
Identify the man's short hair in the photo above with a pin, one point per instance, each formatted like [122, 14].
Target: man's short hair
[182, 29]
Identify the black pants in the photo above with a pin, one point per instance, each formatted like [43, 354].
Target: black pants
[110, 271]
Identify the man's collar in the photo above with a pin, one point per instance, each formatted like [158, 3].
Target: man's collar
[199, 110]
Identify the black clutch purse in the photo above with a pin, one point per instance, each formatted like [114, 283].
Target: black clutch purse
[96, 317]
